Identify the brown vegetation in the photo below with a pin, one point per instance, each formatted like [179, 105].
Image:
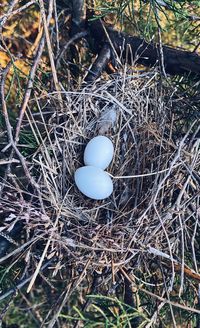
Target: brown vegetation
[140, 245]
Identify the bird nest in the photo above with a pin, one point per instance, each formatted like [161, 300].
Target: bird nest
[146, 232]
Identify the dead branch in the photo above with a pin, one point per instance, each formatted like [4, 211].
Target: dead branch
[175, 61]
[100, 64]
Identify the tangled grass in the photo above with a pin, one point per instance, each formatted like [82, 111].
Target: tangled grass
[133, 259]
[142, 244]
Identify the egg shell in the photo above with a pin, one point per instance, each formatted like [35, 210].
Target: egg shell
[99, 152]
[93, 182]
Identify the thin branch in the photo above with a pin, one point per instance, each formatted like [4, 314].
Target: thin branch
[50, 51]
[28, 91]
[10, 135]
[32, 74]
[66, 46]
[17, 11]
[5, 18]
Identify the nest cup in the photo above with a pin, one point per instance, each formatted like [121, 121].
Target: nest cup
[141, 221]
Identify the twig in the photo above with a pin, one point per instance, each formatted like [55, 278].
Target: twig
[8, 238]
[66, 46]
[178, 265]
[46, 248]
[162, 60]
[28, 93]
[155, 315]
[159, 188]
[50, 51]
[22, 283]
[17, 11]
[111, 44]
[32, 74]
[8, 161]
[10, 136]
[3, 21]
[56, 28]
[143, 175]
[18, 250]
[67, 295]
[183, 307]
[93, 290]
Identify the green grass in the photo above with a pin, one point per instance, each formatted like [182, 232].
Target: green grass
[107, 312]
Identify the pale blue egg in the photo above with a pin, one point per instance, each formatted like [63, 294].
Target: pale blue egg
[99, 152]
[93, 182]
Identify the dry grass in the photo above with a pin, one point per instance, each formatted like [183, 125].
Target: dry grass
[142, 244]
[147, 232]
